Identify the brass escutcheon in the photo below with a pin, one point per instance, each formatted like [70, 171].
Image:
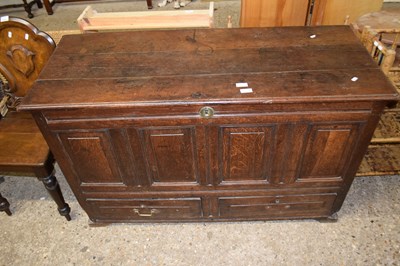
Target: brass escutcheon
[206, 112]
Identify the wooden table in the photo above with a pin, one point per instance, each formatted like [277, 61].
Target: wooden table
[210, 125]
[386, 22]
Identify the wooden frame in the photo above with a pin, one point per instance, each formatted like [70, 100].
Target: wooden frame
[91, 20]
[382, 154]
[384, 56]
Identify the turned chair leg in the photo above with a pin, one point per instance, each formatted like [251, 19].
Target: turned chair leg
[52, 186]
[5, 205]
[28, 8]
[38, 3]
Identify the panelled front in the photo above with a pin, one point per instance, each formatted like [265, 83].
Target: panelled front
[186, 154]
[197, 157]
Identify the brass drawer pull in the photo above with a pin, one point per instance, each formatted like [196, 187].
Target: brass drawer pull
[152, 211]
[206, 112]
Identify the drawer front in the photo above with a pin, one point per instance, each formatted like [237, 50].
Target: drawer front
[145, 209]
[296, 206]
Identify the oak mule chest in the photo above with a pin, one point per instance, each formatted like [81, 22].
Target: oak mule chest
[210, 125]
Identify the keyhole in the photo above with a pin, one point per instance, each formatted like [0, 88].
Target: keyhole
[206, 112]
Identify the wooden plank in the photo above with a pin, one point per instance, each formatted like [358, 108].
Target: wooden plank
[272, 13]
[196, 63]
[318, 12]
[91, 20]
[160, 90]
[163, 66]
[216, 39]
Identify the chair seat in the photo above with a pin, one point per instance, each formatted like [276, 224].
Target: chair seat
[21, 142]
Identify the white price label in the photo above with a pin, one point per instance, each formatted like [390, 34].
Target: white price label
[246, 90]
[242, 85]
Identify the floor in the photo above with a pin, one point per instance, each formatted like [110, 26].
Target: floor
[66, 14]
[367, 233]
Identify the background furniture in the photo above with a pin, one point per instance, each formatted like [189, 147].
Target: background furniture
[259, 13]
[210, 125]
[339, 12]
[90, 20]
[380, 32]
[49, 5]
[24, 50]
[26, 5]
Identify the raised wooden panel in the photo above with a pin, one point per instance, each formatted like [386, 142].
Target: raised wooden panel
[245, 153]
[92, 156]
[289, 149]
[328, 150]
[171, 155]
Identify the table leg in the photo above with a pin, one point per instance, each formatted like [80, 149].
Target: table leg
[49, 8]
[5, 205]
[149, 4]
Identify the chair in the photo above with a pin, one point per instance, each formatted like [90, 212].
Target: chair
[24, 50]
[384, 150]
[26, 5]
[382, 52]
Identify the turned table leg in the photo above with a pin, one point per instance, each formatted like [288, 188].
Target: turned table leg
[149, 4]
[52, 186]
[48, 6]
[5, 205]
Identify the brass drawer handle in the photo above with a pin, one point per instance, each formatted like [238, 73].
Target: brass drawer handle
[152, 211]
[206, 112]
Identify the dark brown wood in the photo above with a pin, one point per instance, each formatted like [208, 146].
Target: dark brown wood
[51, 184]
[5, 205]
[23, 149]
[149, 4]
[22, 60]
[127, 121]
[49, 6]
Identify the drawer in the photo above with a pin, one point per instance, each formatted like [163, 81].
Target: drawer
[315, 205]
[145, 209]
